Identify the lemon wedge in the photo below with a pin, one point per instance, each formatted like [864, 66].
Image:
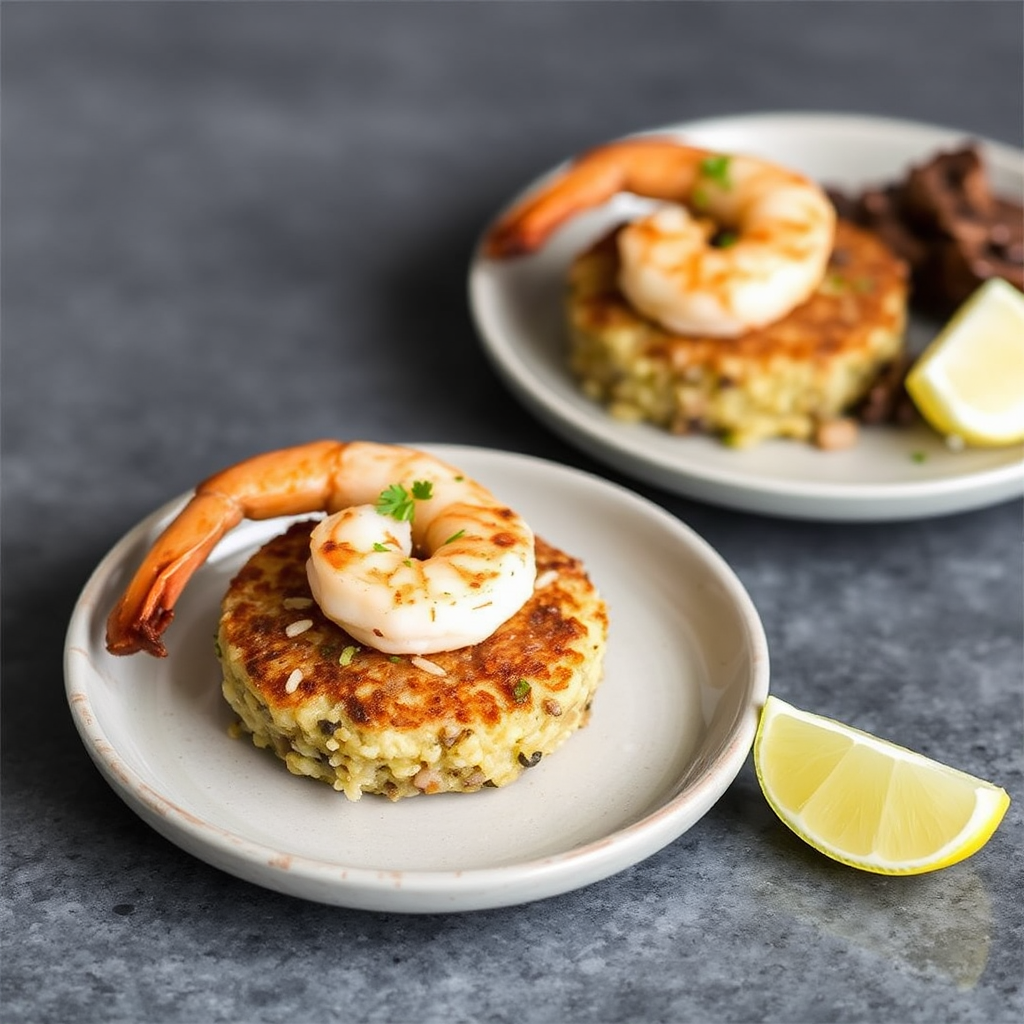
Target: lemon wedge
[866, 802]
[969, 382]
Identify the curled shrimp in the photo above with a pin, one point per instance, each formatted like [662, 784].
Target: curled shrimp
[413, 556]
[742, 242]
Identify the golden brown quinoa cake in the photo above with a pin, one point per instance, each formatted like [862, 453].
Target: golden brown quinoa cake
[784, 380]
[368, 722]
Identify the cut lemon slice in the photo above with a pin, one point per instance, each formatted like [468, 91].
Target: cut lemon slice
[866, 802]
[969, 382]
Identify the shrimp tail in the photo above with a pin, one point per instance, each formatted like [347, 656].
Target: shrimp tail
[146, 608]
[528, 226]
[655, 167]
[286, 482]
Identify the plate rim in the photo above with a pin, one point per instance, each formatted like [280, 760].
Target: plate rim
[613, 443]
[421, 891]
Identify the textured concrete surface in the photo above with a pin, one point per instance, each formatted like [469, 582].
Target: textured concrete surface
[228, 227]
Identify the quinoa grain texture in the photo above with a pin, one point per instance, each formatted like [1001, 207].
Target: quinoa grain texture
[367, 722]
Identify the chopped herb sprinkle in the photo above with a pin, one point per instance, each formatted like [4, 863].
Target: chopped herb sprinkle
[521, 691]
[347, 655]
[716, 168]
[377, 546]
[918, 456]
[455, 536]
[400, 504]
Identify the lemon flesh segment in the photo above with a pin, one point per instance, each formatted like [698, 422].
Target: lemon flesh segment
[969, 382]
[867, 802]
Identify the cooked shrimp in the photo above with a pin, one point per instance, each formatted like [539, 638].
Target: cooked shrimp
[743, 243]
[414, 557]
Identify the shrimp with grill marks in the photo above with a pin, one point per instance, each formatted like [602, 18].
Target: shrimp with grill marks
[735, 244]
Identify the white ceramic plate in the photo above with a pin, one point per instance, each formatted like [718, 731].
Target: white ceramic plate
[685, 677]
[891, 474]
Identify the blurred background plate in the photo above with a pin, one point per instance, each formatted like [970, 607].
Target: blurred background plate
[893, 473]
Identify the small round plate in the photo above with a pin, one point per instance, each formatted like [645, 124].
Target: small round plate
[892, 473]
[686, 674]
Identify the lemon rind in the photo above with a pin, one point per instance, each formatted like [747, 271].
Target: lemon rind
[928, 384]
[991, 802]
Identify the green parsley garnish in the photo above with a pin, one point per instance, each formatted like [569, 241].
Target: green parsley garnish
[347, 655]
[407, 562]
[716, 168]
[377, 546]
[394, 657]
[397, 502]
[455, 536]
[521, 691]
[725, 239]
[918, 457]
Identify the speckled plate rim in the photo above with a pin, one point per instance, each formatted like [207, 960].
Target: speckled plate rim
[737, 683]
[892, 474]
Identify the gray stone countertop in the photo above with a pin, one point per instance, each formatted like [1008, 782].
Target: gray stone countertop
[231, 227]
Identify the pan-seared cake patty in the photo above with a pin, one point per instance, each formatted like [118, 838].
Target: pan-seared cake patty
[368, 722]
[786, 379]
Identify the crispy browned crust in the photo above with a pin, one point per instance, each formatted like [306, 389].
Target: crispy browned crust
[855, 298]
[811, 365]
[368, 722]
[379, 691]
